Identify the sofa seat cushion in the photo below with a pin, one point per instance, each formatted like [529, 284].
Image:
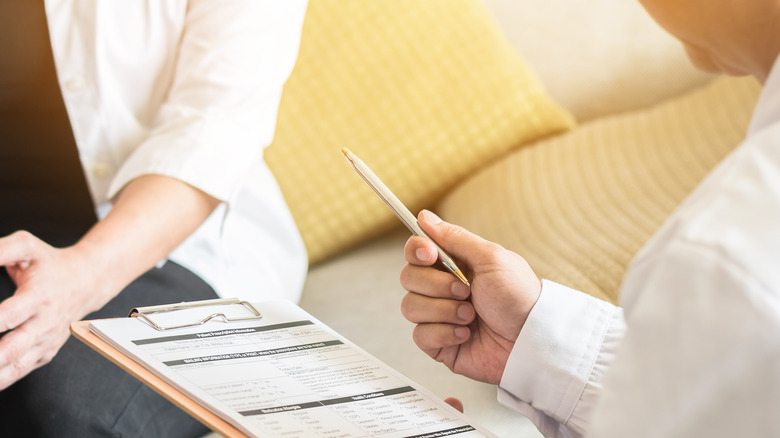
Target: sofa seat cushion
[578, 207]
[425, 92]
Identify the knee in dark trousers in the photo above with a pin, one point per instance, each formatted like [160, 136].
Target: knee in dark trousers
[82, 394]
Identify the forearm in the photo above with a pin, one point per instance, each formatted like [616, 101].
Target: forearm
[152, 215]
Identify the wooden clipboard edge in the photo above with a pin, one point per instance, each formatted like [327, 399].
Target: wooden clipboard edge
[80, 329]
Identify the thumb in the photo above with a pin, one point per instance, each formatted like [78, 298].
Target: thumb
[455, 403]
[17, 248]
[456, 241]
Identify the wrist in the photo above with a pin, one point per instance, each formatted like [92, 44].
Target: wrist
[533, 295]
[100, 276]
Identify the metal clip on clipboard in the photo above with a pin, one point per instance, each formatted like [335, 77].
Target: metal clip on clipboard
[145, 312]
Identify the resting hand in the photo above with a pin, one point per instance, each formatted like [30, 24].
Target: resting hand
[470, 330]
[52, 286]
[152, 215]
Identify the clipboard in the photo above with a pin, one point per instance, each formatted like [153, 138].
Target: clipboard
[201, 369]
[80, 330]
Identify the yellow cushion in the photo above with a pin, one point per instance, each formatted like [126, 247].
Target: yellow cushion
[425, 92]
[579, 206]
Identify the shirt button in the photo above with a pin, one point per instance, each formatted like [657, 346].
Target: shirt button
[75, 83]
[101, 170]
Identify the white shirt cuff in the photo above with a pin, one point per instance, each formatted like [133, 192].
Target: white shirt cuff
[554, 372]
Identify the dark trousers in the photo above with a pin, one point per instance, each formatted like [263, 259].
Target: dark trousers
[81, 394]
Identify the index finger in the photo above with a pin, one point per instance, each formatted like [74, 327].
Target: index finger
[433, 283]
[420, 251]
[15, 310]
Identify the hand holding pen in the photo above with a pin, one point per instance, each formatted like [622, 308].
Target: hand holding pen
[471, 328]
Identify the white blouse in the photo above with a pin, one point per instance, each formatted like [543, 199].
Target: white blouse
[189, 89]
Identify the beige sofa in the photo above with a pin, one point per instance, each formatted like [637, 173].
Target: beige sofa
[577, 202]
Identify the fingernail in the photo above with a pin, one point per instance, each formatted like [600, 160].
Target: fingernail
[422, 254]
[431, 217]
[465, 313]
[460, 290]
[461, 332]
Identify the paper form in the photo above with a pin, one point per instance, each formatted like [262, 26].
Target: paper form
[285, 375]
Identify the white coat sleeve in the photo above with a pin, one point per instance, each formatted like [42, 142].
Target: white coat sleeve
[701, 355]
[554, 373]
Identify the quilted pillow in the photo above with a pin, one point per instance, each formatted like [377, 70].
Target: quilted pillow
[425, 92]
[578, 207]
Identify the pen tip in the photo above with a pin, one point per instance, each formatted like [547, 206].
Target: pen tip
[345, 151]
[458, 273]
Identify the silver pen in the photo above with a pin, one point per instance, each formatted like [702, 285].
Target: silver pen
[399, 209]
